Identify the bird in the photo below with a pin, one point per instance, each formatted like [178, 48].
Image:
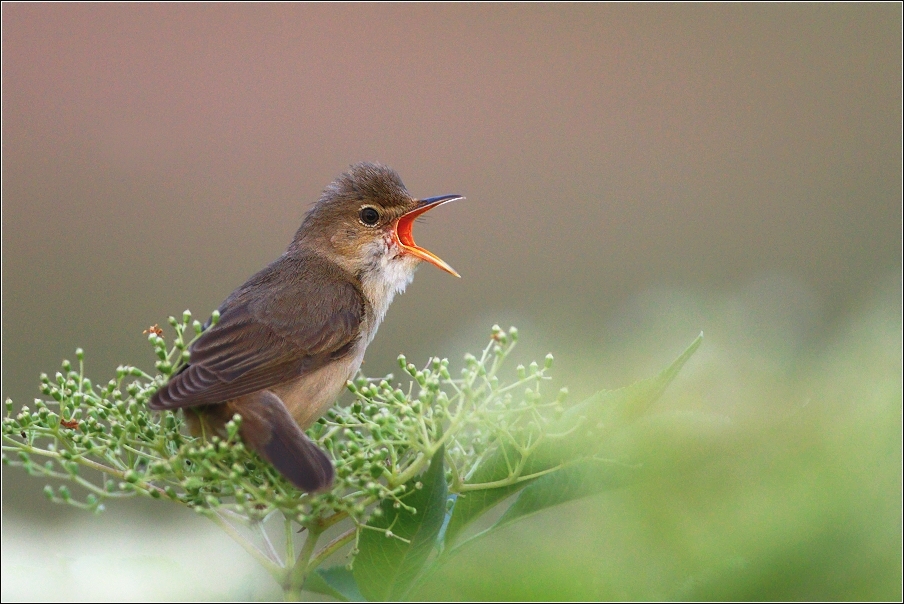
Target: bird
[288, 340]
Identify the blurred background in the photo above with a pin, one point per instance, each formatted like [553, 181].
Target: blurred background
[634, 175]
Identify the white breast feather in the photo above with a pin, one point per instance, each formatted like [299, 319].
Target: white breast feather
[388, 275]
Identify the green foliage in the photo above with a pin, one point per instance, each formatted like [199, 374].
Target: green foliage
[416, 465]
[386, 567]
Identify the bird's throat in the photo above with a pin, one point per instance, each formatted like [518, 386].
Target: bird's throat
[387, 276]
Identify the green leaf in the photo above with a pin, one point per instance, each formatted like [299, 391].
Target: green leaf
[666, 442]
[386, 567]
[669, 442]
[469, 506]
[612, 407]
[585, 428]
[584, 478]
[336, 582]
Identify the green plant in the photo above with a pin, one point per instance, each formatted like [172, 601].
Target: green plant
[416, 465]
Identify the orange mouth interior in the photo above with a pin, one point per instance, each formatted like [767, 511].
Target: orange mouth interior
[406, 239]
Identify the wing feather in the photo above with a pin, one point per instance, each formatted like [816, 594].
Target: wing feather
[287, 320]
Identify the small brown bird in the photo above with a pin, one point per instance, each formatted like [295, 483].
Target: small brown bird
[290, 337]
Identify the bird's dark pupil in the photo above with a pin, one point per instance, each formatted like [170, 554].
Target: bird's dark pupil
[370, 216]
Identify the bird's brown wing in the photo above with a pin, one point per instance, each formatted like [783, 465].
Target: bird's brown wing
[287, 320]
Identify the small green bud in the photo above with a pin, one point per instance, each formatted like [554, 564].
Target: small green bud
[65, 495]
[402, 361]
[196, 325]
[522, 372]
[67, 366]
[186, 316]
[232, 426]
[215, 317]
[548, 361]
[48, 492]
[80, 354]
[172, 321]
[192, 484]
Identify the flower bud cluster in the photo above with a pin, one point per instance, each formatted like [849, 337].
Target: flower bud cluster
[380, 442]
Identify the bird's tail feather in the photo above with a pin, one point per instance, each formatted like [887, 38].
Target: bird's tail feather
[268, 428]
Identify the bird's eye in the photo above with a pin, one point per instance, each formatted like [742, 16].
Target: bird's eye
[369, 216]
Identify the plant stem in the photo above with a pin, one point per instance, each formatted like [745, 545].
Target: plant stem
[260, 530]
[290, 542]
[332, 547]
[296, 575]
[83, 462]
[275, 570]
[505, 482]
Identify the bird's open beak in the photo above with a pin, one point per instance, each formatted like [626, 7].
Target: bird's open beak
[406, 239]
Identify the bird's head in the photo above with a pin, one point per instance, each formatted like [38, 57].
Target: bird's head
[363, 221]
